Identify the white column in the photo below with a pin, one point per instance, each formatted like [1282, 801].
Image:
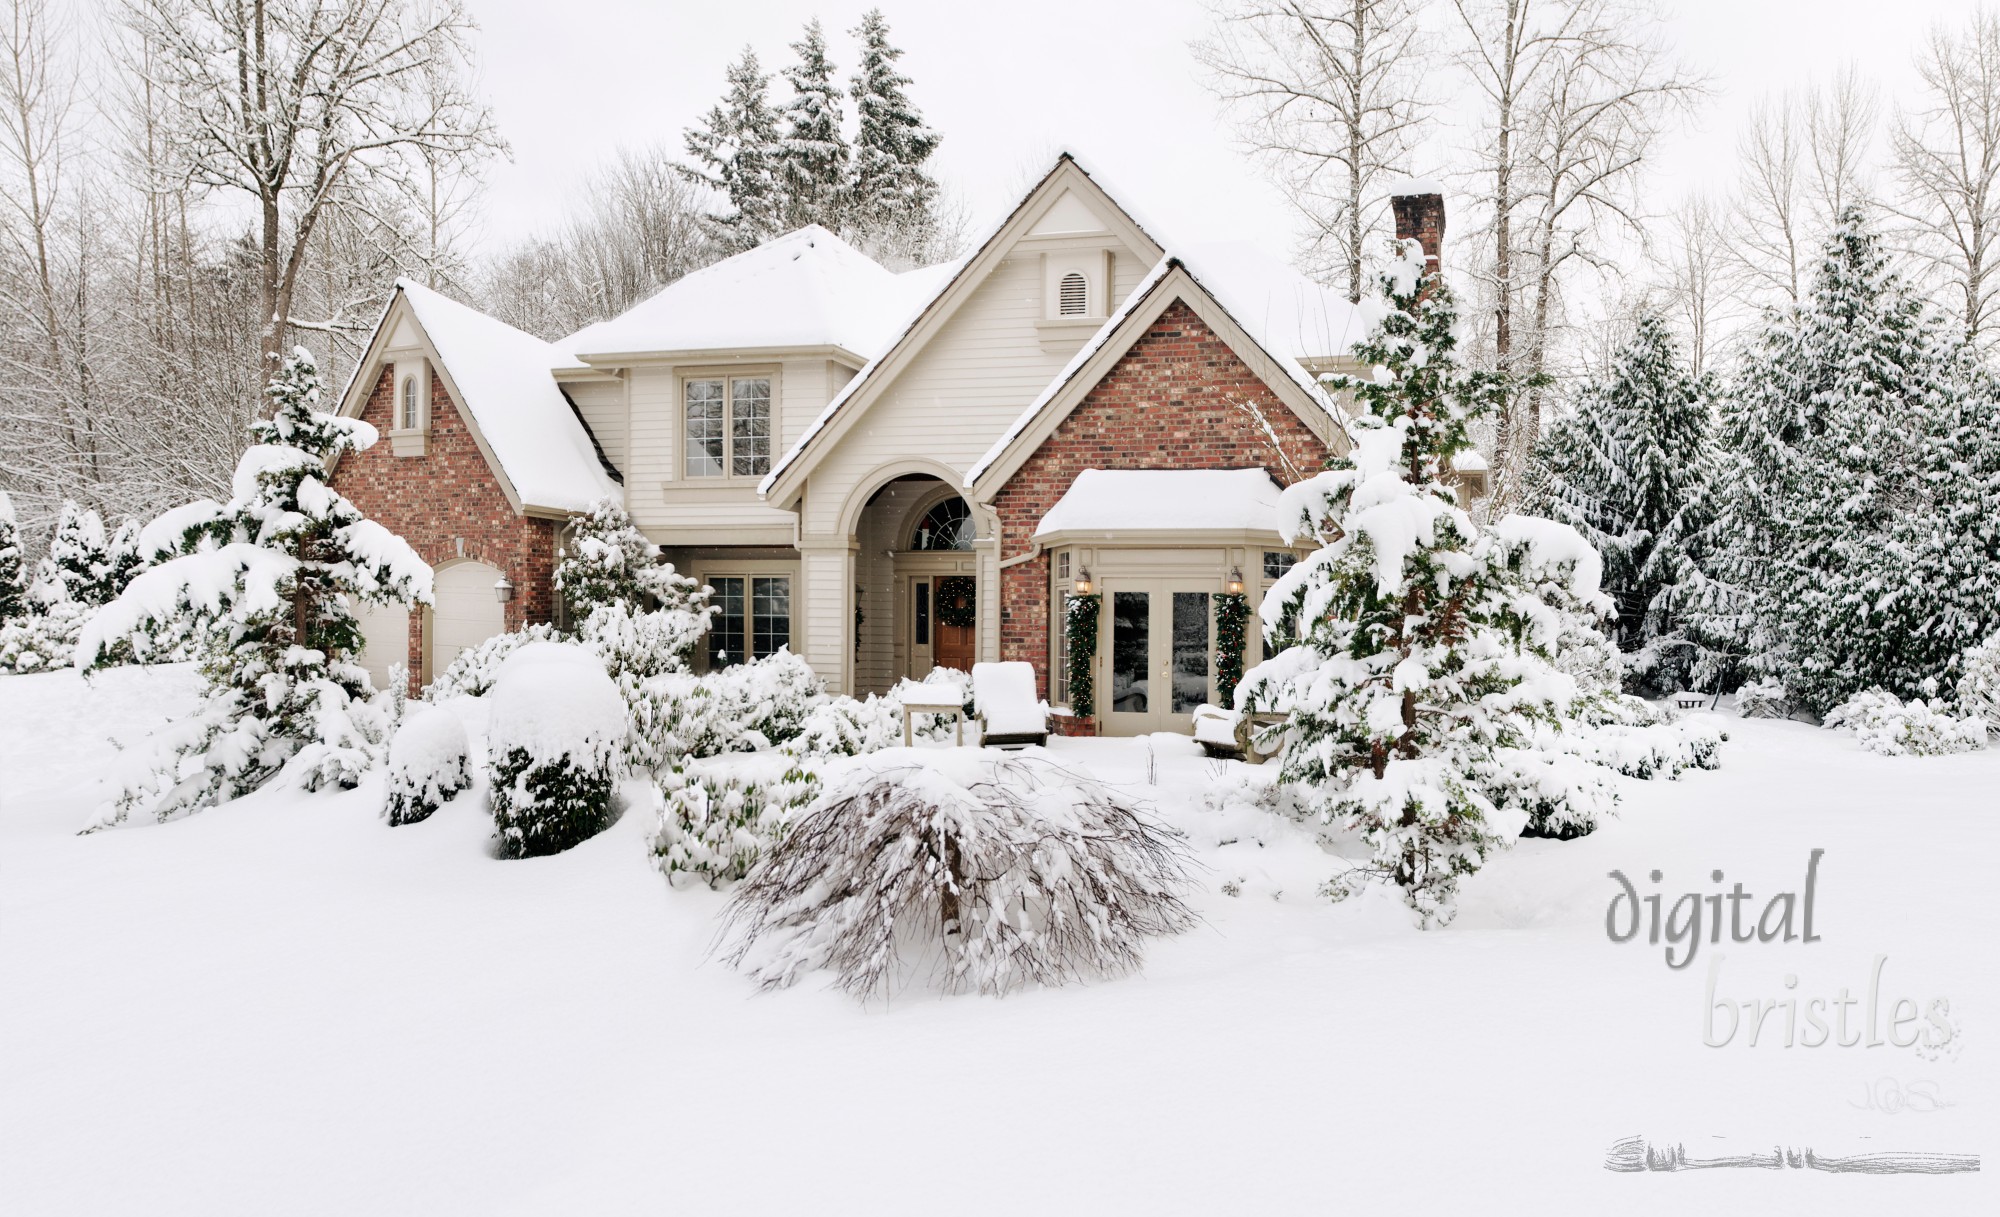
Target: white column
[826, 575]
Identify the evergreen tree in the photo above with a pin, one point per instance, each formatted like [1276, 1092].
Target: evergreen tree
[122, 562]
[1622, 469]
[1421, 691]
[266, 581]
[737, 153]
[891, 195]
[609, 561]
[1839, 461]
[13, 572]
[76, 566]
[813, 157]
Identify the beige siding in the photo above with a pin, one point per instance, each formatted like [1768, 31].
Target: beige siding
[602, 405]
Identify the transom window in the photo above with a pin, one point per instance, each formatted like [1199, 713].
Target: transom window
[946, 526]
[1277, 562]
[411, 414]
[1073, 296]
[728, 427]
[755, 618]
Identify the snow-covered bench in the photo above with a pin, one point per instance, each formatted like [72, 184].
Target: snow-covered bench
[1229, 734]
[1010, 715]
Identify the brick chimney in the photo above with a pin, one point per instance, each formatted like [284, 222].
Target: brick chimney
[1419, 208]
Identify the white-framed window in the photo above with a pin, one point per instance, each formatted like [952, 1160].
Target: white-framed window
[409, 412]
[407, 409]
[755, 617]
[727, 426]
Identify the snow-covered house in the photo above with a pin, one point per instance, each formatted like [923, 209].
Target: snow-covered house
[884, 471]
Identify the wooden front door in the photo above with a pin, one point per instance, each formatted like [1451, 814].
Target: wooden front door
[956, 599]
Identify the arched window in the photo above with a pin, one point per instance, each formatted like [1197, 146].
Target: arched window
[946, 526]
[410, 414]
[1073, 296]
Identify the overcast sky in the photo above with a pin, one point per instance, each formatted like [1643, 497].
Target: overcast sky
[1010, 84]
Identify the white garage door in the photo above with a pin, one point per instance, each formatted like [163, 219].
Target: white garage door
[385, 639]
[467, 612]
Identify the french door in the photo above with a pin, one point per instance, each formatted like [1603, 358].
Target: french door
[1157, 645]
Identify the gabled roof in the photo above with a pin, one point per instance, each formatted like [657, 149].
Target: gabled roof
[1273, 317]
[1125, 501]
[854, 398]
[806, 289]
[538, 447]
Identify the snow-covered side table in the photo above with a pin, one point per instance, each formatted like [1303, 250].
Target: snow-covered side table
[922, 699]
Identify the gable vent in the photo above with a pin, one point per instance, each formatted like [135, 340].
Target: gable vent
[1073, 296]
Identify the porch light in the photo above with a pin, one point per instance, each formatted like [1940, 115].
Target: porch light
[503, 591]
[1235, 583]
[1083, 582]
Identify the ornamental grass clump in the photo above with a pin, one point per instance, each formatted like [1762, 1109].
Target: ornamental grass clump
[980, 873]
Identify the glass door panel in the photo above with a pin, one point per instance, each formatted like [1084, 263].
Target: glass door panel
[1191, 647]
[1131, 651]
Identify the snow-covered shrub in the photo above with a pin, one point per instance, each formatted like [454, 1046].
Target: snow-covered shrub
[427, 764]
[608, 561]
[554, 737]
[639, 643]
[472, 671]
[1541, 792]
[1979, 682]
[998, 871]
[715, 826]
[266, 582]
[746, 707]
[1764, 698]
[1885, 723]
[43, 640]
[844, 726]
[13, 570]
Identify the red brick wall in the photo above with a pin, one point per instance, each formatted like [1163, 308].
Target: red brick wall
[447, 495]
[1170, 403]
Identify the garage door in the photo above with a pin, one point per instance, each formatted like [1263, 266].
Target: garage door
[385, 639]
[467, 612]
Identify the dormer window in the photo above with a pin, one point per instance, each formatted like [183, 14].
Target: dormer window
[409, 408]
[1073, 296]
[410, 417]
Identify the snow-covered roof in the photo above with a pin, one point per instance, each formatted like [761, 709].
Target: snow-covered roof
[1288, 315]
[1165, 500]
[504, 378]
[807, 288]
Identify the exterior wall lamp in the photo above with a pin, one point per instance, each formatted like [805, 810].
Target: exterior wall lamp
[1235, 584]
[1083, 582]
[503, 591]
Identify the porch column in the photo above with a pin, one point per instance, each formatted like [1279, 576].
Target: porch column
[826, 575]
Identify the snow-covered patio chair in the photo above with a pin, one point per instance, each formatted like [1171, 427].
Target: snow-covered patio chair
[1215, 731]
[1010, 715]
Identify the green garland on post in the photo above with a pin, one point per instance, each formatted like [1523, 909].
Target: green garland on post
[1080, 627]
[957, 603]
[1232, 609]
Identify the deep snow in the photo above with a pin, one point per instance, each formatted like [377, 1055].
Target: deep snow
[285, 1006]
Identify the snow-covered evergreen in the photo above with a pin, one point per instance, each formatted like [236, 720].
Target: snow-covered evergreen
[555, 741]
[609, 561]
[428, 764]
[892, 195]
[813, 156]
[1422, 672]
[736, 152]
[1979, 682]
[1623, 469]
[1852, 544]
[13, 568]
[1887, 724]
[77, 567]
[265, 581]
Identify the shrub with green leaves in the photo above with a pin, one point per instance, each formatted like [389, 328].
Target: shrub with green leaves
[715, 825]
[555, 743]
[427, 764]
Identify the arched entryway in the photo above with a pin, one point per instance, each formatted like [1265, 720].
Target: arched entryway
[466, 612]
[917, 586]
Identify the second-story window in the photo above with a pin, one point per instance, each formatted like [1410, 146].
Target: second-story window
[728, 426]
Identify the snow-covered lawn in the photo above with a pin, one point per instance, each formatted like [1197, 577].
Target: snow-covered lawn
[285, 1006]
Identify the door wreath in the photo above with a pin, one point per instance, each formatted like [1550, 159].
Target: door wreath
[956, 603]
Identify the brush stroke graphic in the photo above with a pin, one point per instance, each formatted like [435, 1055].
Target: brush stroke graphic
[1633, 1155]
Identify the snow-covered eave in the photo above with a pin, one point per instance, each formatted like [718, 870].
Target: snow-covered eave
[604, 361]
[1147, 289]
[772, 482]
[1166, 538]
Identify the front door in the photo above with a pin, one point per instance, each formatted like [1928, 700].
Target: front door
[1158, 645]
[943, 609]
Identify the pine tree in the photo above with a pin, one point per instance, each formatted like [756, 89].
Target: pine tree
[122, 561]
[607, 560]
[1421, 686]
[891, 195]
[1824, 509]
[13, 572]
[1622, 468]
[266, 581]
[813, 156]
[737, 153]
[77, 562]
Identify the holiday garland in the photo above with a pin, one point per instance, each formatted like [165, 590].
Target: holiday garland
[956, 603]
[1232, 609]
[1080, 627]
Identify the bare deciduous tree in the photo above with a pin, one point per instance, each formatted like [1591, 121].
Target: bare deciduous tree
[1948, 159]
[1695, 267]
[1329, 95]
[1803, 160]
[307, 107]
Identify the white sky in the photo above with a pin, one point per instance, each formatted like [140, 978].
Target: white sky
[1009, 84]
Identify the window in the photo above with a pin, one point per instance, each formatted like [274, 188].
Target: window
[728, 427]
[923, 624]
[755, 618]
[412, 415]
[945, 526]
[1061, 598]
[1073, 297]
[1277, 562]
